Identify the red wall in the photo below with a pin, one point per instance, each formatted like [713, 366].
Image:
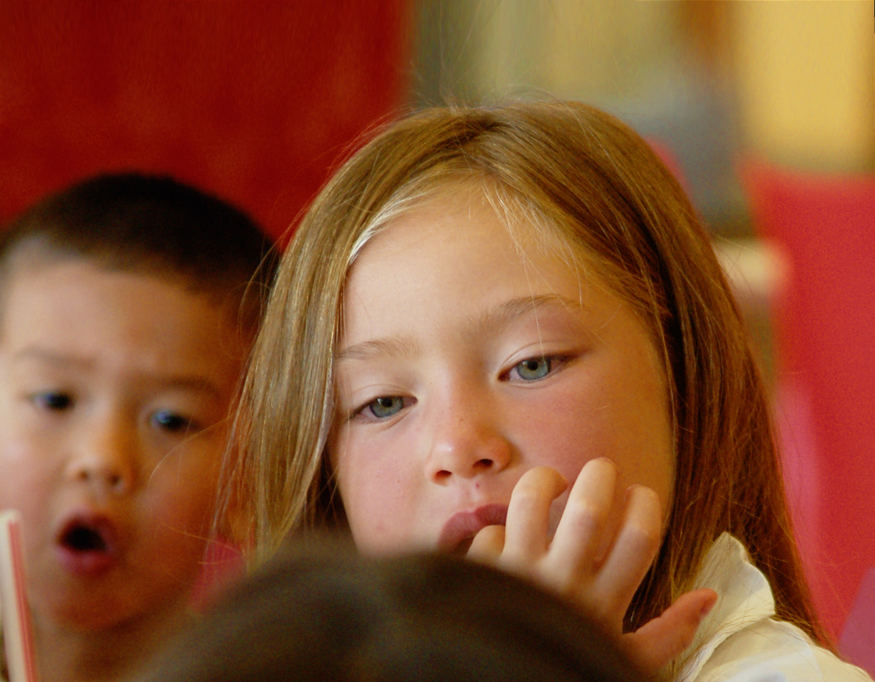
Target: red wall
[253, 100]
[825, 333]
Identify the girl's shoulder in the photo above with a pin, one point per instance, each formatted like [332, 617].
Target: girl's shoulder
[741, 641]
[774, 651]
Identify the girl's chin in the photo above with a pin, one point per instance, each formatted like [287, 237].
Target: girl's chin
[386, 547]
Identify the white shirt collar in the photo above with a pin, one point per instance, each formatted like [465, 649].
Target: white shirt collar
[744, 598]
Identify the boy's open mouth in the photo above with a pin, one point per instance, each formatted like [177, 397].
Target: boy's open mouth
[87, 545]
[83, 538]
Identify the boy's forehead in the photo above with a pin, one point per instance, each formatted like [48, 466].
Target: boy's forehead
[80, 308]
[33, 256]
[38, 252]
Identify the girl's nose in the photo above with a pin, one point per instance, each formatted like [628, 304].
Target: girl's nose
[466, 441]
[105, 456]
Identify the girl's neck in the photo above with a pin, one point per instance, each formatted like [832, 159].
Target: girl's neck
[109, 655]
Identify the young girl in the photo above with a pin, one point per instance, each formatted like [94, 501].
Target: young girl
[487, 306]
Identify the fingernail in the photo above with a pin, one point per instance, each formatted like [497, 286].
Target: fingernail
[603, 459]
[632, 489]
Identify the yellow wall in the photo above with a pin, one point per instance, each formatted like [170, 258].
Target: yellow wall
[804, 79]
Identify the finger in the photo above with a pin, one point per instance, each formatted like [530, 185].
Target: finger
[579, 535]
[528, 517]
[487, 545]
[657, 642]
[633, 551]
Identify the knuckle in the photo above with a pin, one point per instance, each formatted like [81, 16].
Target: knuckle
[585, 515]
[527, 496]
[645, 536]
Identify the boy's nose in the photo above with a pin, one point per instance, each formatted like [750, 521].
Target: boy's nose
[105, 458]
[466, 441]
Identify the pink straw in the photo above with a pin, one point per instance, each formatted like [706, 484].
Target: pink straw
[17, 633]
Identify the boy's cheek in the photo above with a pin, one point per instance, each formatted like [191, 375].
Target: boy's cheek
[21, 471]
[185, 494]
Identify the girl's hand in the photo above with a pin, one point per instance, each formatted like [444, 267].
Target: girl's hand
[598, 556]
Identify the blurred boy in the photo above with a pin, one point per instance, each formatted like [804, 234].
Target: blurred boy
[127, 304]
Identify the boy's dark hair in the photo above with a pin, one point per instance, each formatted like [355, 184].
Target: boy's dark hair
[151, 225]
[329, 614]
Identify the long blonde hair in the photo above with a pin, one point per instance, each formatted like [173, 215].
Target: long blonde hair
[601, 189]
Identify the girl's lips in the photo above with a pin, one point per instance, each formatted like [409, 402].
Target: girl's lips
[87, 544]
[462, 526]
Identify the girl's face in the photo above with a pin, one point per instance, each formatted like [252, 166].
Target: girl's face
[465, 361]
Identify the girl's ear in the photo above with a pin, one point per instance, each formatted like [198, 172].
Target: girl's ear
[234, 526]
[233, 519]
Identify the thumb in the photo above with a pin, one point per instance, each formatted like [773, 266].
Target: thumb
[656, 643]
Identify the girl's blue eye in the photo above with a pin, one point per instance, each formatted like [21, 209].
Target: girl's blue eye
[534, 368]
[385, 406]
[53, 401]
[170, 421]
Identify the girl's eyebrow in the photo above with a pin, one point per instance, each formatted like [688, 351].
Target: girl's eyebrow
[509, 311]
[366, 350]
[486, 323]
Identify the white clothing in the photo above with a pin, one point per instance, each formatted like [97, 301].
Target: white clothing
[741, 641]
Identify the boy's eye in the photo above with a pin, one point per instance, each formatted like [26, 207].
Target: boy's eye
[53, 401]
[171, 421]
[533, 369]
[384, 406]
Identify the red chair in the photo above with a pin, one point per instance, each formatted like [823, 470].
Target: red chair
[825, 337]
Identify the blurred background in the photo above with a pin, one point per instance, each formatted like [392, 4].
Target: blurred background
[766, 109]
